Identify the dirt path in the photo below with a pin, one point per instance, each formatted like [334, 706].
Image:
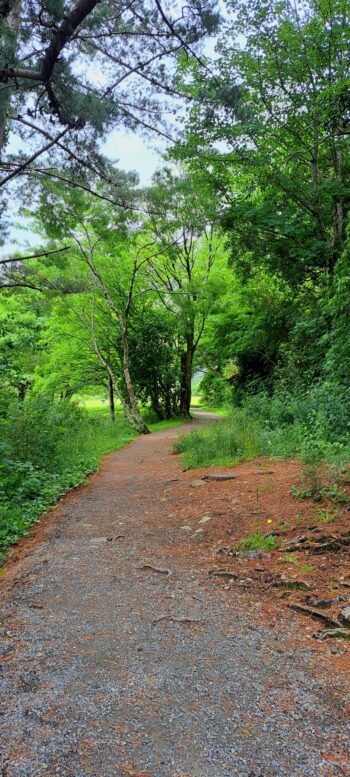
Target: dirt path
[111, 668]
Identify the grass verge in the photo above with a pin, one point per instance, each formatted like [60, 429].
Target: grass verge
[221, 443]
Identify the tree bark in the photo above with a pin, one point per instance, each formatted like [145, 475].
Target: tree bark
[9, 23]
[135, 419]
[186, 375]
[141, 426]
[111, 399]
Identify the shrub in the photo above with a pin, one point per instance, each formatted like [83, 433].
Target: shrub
[48, 446]
[313, 425]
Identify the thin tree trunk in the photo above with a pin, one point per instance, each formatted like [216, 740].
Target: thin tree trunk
[142, 428]
[135, 419]
[156, 406]
[9, 23]
[111, 399]
[186, 376]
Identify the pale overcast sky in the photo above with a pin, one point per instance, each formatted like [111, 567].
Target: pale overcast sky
[132, 153]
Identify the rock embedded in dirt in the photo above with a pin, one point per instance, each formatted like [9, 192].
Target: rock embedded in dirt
[344, 616]
[220, 476]
[197, 483]
[291, 585]
[205, 519]
[253, 554]
[323, 604]
[154, 570]
[225, 574]
[100, 540]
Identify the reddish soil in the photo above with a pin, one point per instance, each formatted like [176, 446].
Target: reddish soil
[261, 500]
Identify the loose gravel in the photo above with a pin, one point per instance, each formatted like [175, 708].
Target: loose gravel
[120, 656]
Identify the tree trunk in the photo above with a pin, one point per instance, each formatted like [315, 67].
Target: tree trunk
[9, 23]
[167, 403]
[156, 406]
[135, 419]
[186, 376]
[139, 423]
[111, 399]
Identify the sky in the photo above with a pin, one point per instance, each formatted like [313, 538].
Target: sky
[128, 150]
[132, 152]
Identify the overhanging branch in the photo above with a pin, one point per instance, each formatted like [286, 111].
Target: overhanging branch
[34, 256]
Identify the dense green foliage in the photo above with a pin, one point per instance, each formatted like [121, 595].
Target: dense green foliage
[47, 447]
[313, 425]
[269, 130]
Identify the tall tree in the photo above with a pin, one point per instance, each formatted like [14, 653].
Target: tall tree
[73, 69]
[186, 273]
[272, 130]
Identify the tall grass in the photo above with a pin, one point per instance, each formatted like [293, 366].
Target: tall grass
[225, 442]
[314, 427]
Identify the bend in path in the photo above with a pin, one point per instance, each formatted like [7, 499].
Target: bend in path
[111, 668]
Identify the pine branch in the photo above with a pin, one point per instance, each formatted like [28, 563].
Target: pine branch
[33, 256]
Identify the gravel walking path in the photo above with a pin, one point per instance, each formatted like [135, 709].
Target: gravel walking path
[120, 656]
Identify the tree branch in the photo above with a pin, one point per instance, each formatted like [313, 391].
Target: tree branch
[31, 159]
[33, 256]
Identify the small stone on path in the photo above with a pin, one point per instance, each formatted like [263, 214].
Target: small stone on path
[99, 540]
[205, 519]
[197, 483]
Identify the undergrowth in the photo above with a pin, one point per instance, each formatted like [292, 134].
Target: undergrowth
[257, 542]
[223, 442]
[48, 447]
[305, 427]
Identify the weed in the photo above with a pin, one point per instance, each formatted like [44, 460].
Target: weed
[335, 493]
[324, 516]
[306, 568]
[301, 493]
[289, 558]
[257, 542]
